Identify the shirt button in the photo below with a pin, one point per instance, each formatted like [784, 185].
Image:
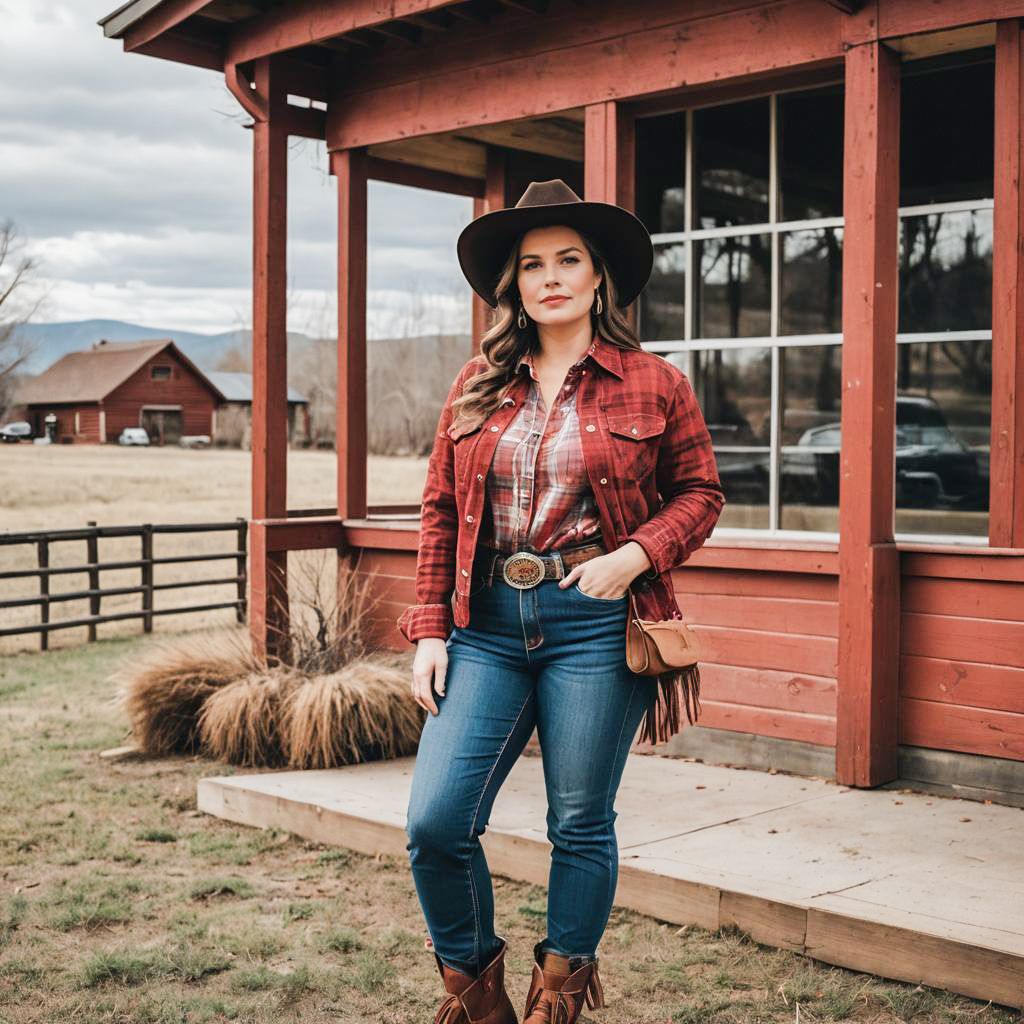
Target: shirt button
[603, 480]
[469, 519]
[479, 476]
[464, 573]
[590, 426]
[494, 428]
[633, 429]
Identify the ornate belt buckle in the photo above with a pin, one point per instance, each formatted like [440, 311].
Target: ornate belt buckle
[522, 569]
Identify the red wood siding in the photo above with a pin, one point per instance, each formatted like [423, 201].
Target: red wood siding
[123, 405]
[962, 656]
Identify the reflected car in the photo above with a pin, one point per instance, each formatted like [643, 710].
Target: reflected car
[19, 430]
[934, 468]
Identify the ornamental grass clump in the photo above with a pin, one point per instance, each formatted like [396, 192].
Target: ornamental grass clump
[323, 697]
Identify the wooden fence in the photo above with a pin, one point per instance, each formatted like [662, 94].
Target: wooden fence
[92, 567]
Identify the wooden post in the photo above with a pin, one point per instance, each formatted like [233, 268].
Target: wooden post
[609, 173]
[494, 198]
[240, 609]
[1006, 488]
[268, 623]
[869, 573]
[349, 166]
[93, 558]
[43, 561]
[147, 576]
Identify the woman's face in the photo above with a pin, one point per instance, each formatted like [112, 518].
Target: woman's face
[555, 265]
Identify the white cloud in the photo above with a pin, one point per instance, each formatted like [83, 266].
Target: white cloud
[130, 178]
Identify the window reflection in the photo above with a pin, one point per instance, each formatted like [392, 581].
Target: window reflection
[661, 172]
[733, 298]
[943, 423]
[663, 301]
[811, 153]
[733, 388]
[731, 157]
[946, 271]
[811, 282]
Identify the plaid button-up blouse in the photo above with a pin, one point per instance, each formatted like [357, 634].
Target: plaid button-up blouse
[538, 491]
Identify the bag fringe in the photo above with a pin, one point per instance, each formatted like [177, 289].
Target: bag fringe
[679, 688]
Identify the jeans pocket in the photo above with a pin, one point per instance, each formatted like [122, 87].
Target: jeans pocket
[605, 600]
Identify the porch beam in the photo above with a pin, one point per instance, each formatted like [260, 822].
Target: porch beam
[268, 609]
[1006, 480]
[869, 577]
[313, 21]
[350, 169]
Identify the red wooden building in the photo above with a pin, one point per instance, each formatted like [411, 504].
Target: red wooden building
[834, 191]
[97, 392]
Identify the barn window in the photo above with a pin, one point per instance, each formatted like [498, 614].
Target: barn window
[744, 204]
[160, 372]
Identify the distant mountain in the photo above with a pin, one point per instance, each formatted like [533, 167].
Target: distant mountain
[51, 341]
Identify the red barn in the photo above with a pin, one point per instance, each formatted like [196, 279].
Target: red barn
[96, 393]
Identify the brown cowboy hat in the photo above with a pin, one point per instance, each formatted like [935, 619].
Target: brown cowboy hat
[624, 242]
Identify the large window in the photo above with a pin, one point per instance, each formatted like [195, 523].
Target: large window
[744, 204]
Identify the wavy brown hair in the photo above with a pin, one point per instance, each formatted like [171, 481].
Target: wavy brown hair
[504, 342]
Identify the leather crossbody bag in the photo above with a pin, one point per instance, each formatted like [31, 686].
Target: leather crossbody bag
[654, 647]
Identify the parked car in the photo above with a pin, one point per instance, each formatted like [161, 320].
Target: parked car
[934, 468]
[133, 435]
[19, 430]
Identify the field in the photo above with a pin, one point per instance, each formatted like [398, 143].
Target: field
[66, 486]
[120, 903]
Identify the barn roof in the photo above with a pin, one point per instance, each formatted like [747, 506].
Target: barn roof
[237, 387]
[91, 374]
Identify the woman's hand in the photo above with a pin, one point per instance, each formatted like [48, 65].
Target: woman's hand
[609, 575]
[429, 667]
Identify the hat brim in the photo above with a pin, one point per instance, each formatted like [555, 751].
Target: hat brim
[485, 242]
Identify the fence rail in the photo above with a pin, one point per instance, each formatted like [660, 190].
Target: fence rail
[92, 567]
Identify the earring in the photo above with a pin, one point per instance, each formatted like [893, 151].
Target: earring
[521, 319]
[600, 304]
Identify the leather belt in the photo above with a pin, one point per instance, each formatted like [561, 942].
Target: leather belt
[525, 569]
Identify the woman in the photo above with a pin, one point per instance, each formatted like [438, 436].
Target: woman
[540, 512]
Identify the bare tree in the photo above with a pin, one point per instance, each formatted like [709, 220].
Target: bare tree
[17, 273]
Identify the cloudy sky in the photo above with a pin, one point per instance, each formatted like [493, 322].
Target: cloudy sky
[130, 179]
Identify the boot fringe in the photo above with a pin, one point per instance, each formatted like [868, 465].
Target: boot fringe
[679, 688]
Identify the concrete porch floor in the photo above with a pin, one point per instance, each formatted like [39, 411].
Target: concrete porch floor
[910, 886]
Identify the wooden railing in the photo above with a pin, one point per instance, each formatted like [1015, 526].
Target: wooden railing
[92, 567]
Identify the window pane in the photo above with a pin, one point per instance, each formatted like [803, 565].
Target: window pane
[661, 172]
[731, 166]
[811, 282]
[733, 297]
[811, 153]
[662, 302]
[947, 112]
[733, 388]
[811, 393]
[946, 272]
[943, 417]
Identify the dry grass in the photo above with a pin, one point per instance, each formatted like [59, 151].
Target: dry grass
[324, 699]
[120, 903]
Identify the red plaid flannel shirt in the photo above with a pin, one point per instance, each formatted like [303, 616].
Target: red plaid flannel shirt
[650, 465]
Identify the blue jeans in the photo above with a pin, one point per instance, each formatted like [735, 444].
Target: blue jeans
[541, 656]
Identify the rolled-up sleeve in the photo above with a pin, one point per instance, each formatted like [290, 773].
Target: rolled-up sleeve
[439, 527]
[688, 482]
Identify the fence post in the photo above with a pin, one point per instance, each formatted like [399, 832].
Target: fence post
[43, 561]
[93, 555]
[146, 537]
[243, 533]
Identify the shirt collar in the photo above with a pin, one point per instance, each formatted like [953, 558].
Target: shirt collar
[604, 354]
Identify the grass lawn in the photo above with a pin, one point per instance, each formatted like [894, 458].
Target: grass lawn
[120, 902]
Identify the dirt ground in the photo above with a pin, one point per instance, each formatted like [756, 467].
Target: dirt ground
[120, 902]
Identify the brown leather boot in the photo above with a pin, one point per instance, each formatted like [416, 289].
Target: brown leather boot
[559, 986]
[481, 1000]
